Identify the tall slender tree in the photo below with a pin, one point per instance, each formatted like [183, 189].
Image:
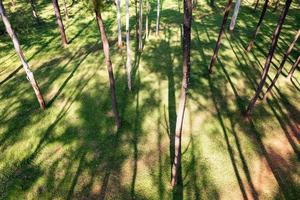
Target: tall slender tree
[128, 61]
[60, 23]
[286, 55]
[262, 15]
[256, 5]
[292, 70]
[118, 6]
[21, 56]
[222, 30]
[157, 17]
[140, 24]
[235, 14]
[98, 6]
[66, 10]
[269, 57]
[187, 24]
[34, 12]
[147, 20]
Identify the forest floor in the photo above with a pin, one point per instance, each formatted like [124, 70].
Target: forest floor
[71, 150]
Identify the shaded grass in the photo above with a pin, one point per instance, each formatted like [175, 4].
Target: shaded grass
[71, 150]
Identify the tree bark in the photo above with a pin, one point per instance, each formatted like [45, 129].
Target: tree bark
[269, 57]
[256, 5]
[21, 56]
[34, 12]
[187, 23]
[128, 61]
[157, 18]
[136, 26]
[140, 24]
[286, 55]
[295, 65]
[251, 43]
[235, 14]
[60, 23]
[218, 44]
[118, 2]
[105, 45]
[66, 10]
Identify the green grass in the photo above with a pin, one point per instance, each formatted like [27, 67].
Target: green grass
[71, 150]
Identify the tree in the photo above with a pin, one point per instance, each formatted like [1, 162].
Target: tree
[187, 23]
[21, 56]
[140, 24]
[235, 14]
[262, 15]
[128, 61]
[157, 18]
[34, 12]
[66, 10]
[118, 3]
[60, 23]
[286, 55]
[147, 20]
[269, 57]
[218, 44]
[256, 5]
[292, 70]
[98, 5]
[212, 3]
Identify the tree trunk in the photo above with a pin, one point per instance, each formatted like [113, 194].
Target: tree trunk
[105, 45]
[147, 21]
[34, 13]
[187, 22]
[66, 10]
[235, 14]
[256, 5]
[295, 65]
[269, 58]
[128, 62]
[157, 18]
[212, 3]
[218, 44]
[118, 2]
[286, 55]
[251, 43]
[19, 52]
[140, 24]
[60, 23]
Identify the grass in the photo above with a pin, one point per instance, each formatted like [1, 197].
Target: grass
[71, 150]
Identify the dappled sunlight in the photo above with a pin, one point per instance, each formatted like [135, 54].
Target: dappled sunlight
[72, 150]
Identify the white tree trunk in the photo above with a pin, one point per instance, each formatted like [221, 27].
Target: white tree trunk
[235, 14]
[118, 3]
[140, 24]
[128, 62]
[157, 18]
[19, 52]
